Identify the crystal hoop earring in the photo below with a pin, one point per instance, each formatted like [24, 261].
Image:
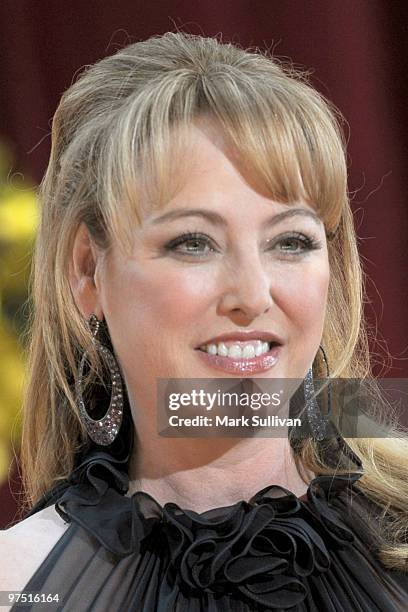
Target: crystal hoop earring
[318, 422]
[102, 431]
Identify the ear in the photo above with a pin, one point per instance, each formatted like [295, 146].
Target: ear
[82, 273]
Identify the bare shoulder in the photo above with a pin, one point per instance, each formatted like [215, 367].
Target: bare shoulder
[24, 546]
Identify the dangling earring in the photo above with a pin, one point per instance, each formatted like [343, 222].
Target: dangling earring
[102, 431]
[317, 420]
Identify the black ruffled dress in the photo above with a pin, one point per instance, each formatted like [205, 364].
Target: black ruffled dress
[277, 551]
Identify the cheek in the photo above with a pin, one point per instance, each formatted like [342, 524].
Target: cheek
[305, 302]
[158, 299]
[180, 296]
[172, 300]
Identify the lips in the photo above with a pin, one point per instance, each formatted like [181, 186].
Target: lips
[243, 337]
[242, 366]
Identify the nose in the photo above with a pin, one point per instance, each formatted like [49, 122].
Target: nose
[249, 291]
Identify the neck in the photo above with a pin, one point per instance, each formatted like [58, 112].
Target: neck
[200, 474]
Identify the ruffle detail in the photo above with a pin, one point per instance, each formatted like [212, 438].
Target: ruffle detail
[263, 549]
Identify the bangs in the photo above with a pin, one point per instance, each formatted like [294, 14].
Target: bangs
[283, 132]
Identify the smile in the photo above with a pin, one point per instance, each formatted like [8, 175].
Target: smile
[237, 350]
[235, 363]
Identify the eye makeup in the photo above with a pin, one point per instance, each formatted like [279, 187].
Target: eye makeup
[306, 243]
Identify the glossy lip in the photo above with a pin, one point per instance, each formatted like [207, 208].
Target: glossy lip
[241, 336]
[244, 365]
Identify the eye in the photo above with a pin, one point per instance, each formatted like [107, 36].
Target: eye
[194, 242]
[306, 243]
[199, 245]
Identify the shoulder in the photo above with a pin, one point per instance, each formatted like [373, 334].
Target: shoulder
[24, 546]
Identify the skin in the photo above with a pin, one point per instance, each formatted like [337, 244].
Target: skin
[248, 282]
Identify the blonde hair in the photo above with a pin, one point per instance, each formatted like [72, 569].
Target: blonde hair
[112, 134]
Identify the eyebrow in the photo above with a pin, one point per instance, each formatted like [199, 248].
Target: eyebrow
[216, 219]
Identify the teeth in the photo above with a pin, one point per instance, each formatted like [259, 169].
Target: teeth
[235, 351]
[260, 348]
[222, 349]
[248, 351]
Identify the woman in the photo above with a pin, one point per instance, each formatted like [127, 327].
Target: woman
[195, 211]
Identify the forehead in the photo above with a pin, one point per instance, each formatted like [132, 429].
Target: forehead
[206, 168]
[205, 158]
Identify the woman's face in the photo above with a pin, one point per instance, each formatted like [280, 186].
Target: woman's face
[245, 271]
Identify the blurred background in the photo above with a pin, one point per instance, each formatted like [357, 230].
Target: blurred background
[357, 53]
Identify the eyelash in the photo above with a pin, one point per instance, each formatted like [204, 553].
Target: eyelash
[309, 243]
